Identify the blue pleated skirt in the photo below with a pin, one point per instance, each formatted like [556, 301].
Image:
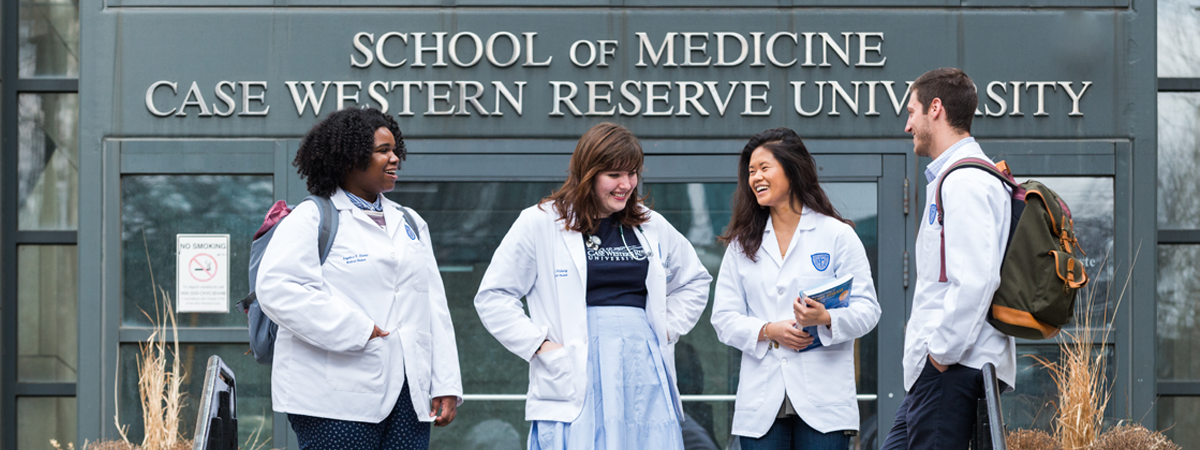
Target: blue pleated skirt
[628, 404]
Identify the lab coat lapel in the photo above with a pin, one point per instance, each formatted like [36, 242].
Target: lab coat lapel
[770, 244]
[393, 219]
[574, 243]
[656, 287]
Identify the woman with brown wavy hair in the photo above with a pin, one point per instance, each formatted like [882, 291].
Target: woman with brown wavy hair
[610, 287]
[785, 236]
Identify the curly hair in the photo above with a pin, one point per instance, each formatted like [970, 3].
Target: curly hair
[340, 143]
[749, 219]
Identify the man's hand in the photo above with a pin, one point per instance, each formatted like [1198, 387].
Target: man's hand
[937, 366]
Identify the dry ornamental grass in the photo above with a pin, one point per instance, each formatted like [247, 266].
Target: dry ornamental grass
[1133, 437]
[1031, 440]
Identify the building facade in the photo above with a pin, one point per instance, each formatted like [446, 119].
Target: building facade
[132, 126]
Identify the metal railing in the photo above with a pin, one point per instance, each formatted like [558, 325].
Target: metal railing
[989, 423]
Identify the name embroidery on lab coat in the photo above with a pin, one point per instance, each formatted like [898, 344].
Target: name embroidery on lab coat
[820, 261]
[354, 258]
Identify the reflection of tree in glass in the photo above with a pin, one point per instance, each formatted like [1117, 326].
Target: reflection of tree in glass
[1178, 208]
[162, 206]
[1178, 33]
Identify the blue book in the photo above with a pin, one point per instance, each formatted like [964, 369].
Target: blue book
[834, 293]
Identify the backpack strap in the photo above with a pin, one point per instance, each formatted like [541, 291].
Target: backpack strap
[328, 225]
[408, 218]
[977, 163]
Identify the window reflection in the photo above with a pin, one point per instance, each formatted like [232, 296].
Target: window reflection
[40, 419]
[49, 38]
[48, 161]
[47, 310]
[1178, 33]
[155, 208]
[1178, 160]
[1178, 314]
[1177, 418]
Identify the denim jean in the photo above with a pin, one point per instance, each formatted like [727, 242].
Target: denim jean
[791, 433]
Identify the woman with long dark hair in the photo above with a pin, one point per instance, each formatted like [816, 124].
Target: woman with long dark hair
[610, 287]
[784, 237]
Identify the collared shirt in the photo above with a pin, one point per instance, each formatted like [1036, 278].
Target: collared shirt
[365, 205]
[935, 167]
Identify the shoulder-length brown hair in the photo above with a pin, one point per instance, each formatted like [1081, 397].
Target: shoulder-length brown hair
[605, 147]
[749, 219]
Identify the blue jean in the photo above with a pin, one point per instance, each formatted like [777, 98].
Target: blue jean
[399, 431]
[791, 433]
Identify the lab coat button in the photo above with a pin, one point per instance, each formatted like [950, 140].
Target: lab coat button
[779, 290]
[394, 257]
[783, 361]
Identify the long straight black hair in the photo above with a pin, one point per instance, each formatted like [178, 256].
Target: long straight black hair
[749, 219]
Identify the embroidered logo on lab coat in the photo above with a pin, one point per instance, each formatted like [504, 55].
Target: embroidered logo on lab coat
[932, 213]
[409, 230]
[820, 261]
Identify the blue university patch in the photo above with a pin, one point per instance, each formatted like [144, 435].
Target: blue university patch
[820, 261]
[932, 213]
[409, 230]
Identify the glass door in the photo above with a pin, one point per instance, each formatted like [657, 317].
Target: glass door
[468, 219]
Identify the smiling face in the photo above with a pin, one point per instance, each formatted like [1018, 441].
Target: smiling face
[613, 189]
[767, 180]
[919, 125]
[380, 174]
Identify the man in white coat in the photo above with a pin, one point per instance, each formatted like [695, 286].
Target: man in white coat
[948, 339]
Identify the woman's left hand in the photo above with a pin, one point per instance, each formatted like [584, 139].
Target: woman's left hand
[810, 312]
[448, 408]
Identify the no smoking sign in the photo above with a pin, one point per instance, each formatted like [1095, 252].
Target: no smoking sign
[202, 278]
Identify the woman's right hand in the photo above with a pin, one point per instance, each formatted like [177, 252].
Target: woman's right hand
[787, 334]
[548, 346]
[378, 332]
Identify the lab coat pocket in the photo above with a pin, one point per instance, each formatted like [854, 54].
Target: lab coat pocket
[421, 272]
[751, 390]
[357, 371]
[829, 375]
[418, 348]
[550, 373]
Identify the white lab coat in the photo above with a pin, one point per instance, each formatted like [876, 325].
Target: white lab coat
[541, 260]
[819, 382]
[324, 365]
[949, 320]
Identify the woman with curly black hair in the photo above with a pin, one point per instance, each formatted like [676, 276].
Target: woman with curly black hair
[365, 354]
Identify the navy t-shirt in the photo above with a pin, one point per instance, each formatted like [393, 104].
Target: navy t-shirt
[614, 276]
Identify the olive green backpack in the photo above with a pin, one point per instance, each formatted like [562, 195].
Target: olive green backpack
[1041, 271]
